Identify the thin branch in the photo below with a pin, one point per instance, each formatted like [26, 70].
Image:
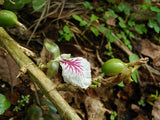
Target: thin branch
[47, 87]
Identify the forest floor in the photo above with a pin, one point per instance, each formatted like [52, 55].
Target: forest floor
[139, 100]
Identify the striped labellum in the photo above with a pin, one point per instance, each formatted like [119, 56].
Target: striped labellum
[76, 71]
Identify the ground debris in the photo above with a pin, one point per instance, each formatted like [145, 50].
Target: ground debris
[156, 109]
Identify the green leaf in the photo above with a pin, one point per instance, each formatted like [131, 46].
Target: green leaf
[100, 9]
[124, 8]
[121, 7]
[153, 24]
[95, 31]
[126, 41]
[66, 29]
[83, 23]
[37, 5]
[77, 17]
[131, 23]
[67, 37]
[87, 5]
[148, 1]
[127, 10]
[131, 35]
[120, 18]
[61, 32]
[121, 84]
[93, 18]
[122, 24]
[111, 13]
[126, 31]
[26, 1]
[155, 9]
[112, 38]
[60, 39]
[102, 29]
[113, 116]
[133, 57]
[135, 75]
[141, 28]
[4, 104]
[109, 33]
[53, 48]
[110, 1]
[52, 70]
[157, 29]
[119, 35]
[158, 17]
[145, 6]
[19, 4]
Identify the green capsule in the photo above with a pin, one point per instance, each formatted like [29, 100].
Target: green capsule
[8, 18]
[113, 66]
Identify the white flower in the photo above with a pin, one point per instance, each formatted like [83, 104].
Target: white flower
[76, 71]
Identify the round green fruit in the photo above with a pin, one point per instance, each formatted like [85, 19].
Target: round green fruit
[8, 18]
[113, 66]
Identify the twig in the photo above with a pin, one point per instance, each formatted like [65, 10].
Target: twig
[40, 19]
[98, 57]
[47, 87]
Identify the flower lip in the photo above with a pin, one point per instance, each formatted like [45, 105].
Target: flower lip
[73, 64]
[76, 71]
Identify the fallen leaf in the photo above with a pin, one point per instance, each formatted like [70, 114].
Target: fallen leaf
[148, 48]
[106, 94]
[141, 117]
[92, 93]
[111, 21]
[136, 108]
[156, 109]
[140, 112]
[95, 109]
[155, 0]
[122, 110]
[8, 69]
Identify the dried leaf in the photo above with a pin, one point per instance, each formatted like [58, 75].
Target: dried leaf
[8, 69]
[156, 109]
[111, 21]
[147, 48]
[95, 109]
[141, 117]
[140, 112]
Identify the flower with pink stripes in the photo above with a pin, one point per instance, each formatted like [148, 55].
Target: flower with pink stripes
[76, 71]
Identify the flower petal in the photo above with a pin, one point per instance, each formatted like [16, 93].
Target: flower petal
[76, 71]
